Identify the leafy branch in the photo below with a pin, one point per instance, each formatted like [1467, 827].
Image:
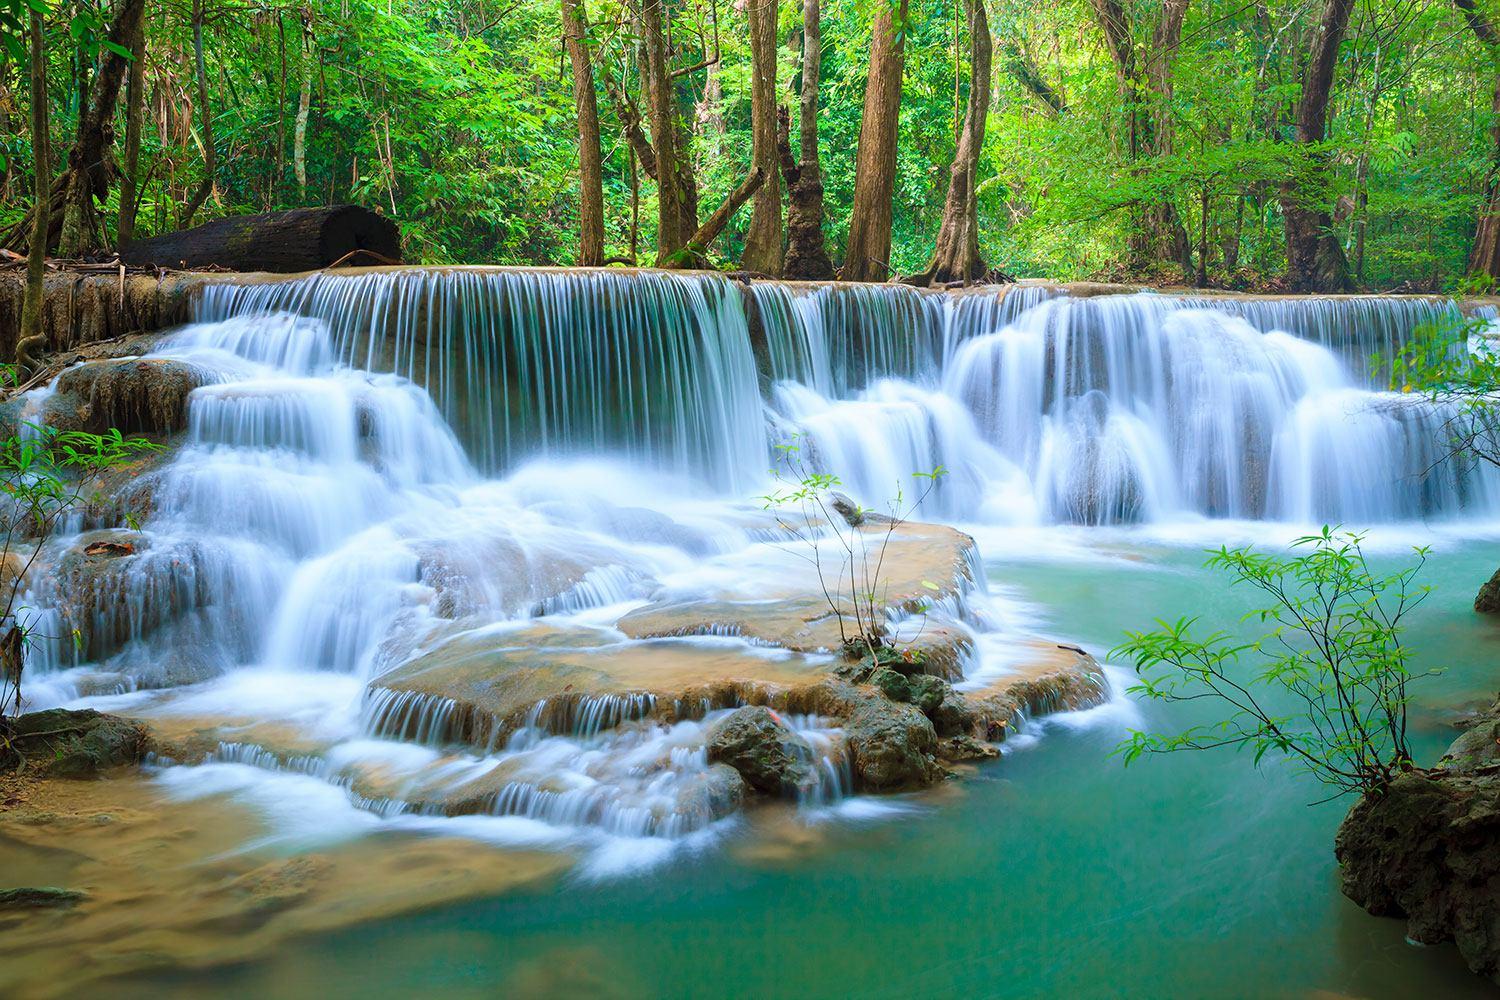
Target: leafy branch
[1333, 652]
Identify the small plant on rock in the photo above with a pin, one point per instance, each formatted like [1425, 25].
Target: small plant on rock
[1326, 687]
[848, 546]
[44, 474]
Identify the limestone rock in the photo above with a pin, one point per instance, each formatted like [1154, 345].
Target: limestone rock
[139, 395]
[1428, 849]
[960, 748]
[893, 685]
[77, 744]
[891, 746]
[1488, 599]
[954, 716]
[764, 750]
[718, 792]
[928, 692]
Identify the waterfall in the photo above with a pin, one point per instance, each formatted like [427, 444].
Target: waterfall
[523, 363]
[484, 470]
[1041, 406]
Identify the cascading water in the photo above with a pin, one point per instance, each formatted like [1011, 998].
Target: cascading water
[483, 466]
[1120, 408]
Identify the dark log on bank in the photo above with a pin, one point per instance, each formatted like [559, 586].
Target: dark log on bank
[302, 239]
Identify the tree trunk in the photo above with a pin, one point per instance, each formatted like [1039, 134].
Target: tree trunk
[1315, 259]
[676, 188]
[1163, 236]
[590, 166]
[763, 251]
[868, 257]
[30, 338]
[277, 176]
[205, 119]
[957, 255]
[806, 249]
[1485, 258]
[693, 254]
[1156, 230]
[90, 162]
[304, 105]
[1019, 64]
[302, 239]
[135, 111]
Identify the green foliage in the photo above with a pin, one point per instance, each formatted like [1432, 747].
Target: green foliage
[457, 119]
[1326, 686]
[42, 475]
[1455, 363]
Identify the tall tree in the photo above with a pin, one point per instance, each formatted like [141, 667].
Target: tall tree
[680, 240]
[205, 117]
[135, 111]
[763, 251]
[1485, 256]
[868, 257]
[1315, 258]
[590, 166]
[91, 165]
[1143, 71]
[957, 256]
[304, 106]
[806, 248]
[676, 187]
[30, 337]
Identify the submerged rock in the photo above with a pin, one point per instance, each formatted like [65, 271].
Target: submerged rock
[961, 748]
[59, 743]
[39, 898]
[1428, 849]
[1487, 601]
[764, 750]
[183, 598]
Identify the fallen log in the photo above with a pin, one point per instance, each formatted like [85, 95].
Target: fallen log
[302, 239]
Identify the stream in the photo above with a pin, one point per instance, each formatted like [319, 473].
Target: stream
[501, 471]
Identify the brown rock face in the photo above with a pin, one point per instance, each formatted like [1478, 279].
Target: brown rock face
[143, 395]
[1429, 850]
[1488, 599]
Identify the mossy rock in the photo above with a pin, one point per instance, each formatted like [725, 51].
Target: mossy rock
[767, 754]
[59, 743]
[40, 898]
[137, 395]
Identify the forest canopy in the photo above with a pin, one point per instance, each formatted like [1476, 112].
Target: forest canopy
[1308, 144]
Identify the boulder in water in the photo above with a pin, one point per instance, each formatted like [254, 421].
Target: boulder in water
[891, 746]
[59, 743]
[962, 748]
[1428, 849]
[1488, 600]
[954, 716]
[764, 750]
